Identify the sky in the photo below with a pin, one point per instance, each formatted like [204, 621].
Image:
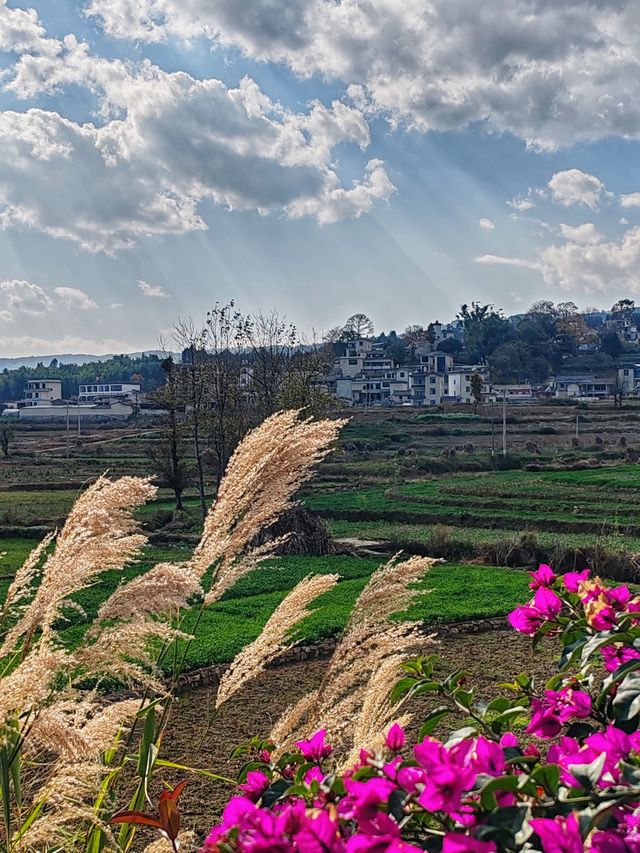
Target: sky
[318, 157]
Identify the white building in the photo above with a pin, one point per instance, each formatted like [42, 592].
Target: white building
[41, 392]
[101, 390]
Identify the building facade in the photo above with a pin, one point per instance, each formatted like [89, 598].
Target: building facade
[41, 392]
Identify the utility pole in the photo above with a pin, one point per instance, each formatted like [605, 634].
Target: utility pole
[67, 429]
[577, 426]
[493, 432]
[504, 423]
[78, 411]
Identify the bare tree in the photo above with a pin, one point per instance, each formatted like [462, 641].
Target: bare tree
[271, 341]
[228, 383]
[7, 435]
[415, 336]
[191, 340]
[618, 391]
[477, 384]
[169, 452]
[358, 326]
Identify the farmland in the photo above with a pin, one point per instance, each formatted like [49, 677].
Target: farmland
[421, 482]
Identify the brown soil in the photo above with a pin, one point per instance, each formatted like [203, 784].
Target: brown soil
[197, 739]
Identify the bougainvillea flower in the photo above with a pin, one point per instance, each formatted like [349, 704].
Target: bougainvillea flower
[615, 656]
[608, 842]
[487, 757]
[315, 749]
[544, 576]
[572, 580]
[558, 835]
[547, 602]
[526, 619]
[396, 738]
[319, 834]
[363, 800]
[457, 842]
[556, 708]
[256, 784]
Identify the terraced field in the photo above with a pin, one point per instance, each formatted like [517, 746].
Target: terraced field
[564, 509]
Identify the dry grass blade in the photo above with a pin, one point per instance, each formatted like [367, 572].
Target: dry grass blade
[274, 638]
[266, 470]
[99, 534]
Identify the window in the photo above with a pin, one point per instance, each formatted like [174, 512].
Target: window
[353, 361]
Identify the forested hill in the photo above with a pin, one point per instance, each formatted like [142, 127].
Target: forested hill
[145, 369]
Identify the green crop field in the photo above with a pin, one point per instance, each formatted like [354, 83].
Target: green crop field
[449, 593]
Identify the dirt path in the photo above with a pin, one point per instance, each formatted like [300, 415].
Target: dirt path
[196, 739]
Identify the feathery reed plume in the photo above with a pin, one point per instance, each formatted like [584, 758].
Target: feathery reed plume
[230, 572]
[294, 722]
[389, 590]
[268, 467]
[22, 584]
[70, 790]
[274, 638]
[79, 730]
[377, 712]
[99, 534]
[164, 589]
[126, 652]
[369, 641]
[30, 682]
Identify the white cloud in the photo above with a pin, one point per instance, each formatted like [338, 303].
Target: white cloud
[71, 297]
[511, 262]
[623, 221]
[23, 297]
[550, 72]
[20, 29]
[520, 204]
[572, 186]
[177, 142]
[584, 234]
[115, 306]
[5, 315]
[630, 200]
[585, 262]
[487, 224]
[153, 290]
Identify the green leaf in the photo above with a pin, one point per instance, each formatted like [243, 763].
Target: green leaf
[501, 783]
[588, 774]
[626, 704]
[432, 720]
[275, 792]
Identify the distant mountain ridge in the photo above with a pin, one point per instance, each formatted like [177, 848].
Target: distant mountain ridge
[67, 358]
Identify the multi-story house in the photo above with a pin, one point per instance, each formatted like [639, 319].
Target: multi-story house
[629, 378]
[41, 392]
[105, 390]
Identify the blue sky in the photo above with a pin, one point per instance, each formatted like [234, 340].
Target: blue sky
[320, 158]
